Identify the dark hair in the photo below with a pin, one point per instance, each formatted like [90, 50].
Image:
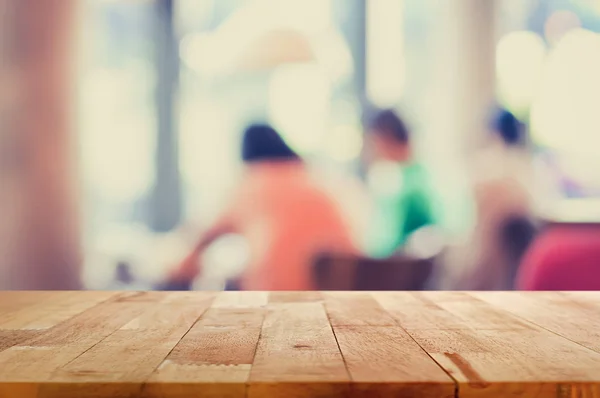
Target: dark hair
[262, 143]
[508, 127]
[389, 123]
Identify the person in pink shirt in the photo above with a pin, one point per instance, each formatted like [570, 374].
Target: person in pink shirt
[563, 258]
[285, 216]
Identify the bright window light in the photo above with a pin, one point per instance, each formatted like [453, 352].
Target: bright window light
[385, 52]
[565, 114]
[299, 102]
[519, 61]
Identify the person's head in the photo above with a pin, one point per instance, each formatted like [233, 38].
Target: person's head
[389, 137]
[261, 143]
[507, 128]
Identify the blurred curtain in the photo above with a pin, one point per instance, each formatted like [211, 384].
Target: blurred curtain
[39, 237]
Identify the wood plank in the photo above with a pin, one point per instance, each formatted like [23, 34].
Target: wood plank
[241, 300]
[416, 312]
[386, 362]
[585, 299]
[16, 300]
[174, 380]
[154, 297]
[511, 362]
[35, 360]
[295, 297]
[355, 309]
[53, 310]
[297, 355]
[120, 363]
[555, 312]
[447, 310]
[217, 346]
[94, 324]
[17, 312]
[183, 344]
[234, 317]
[9, 338]
[214, 359]
[221, 340]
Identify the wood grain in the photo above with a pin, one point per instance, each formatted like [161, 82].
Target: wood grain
[297, 355]
[495, 361]
[214, 358]
[241, 300]
[555, 312]
[88, 353]
[28, 367]
[52, 309]
[16, 300]
[584, 299]
[355, 309]
[513, 363]
[446, 310]
[132, 353]
[386, 362]
[296, 344]
[295, 297]
[9, 338]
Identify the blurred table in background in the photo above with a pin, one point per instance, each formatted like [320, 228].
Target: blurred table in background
[299, 344]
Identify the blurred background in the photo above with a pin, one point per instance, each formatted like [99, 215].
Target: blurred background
[121, 123]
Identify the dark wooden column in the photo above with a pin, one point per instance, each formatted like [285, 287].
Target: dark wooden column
[39, 237]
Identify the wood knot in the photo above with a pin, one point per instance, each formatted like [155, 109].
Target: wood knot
[473, 377]
[301, 346]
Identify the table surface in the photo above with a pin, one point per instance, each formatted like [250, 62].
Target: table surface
[299, 344]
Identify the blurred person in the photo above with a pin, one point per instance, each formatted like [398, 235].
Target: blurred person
[403, 199]
[502, 178]
[563, 258]
[286, 218]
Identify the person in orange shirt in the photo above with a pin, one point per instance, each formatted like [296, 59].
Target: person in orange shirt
[285, 216]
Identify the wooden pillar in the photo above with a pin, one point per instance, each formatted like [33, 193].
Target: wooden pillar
[39, 247]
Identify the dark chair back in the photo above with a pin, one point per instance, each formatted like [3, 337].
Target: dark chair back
[516, 235]
[337, 272]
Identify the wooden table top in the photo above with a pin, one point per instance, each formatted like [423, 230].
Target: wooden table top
[299, 344]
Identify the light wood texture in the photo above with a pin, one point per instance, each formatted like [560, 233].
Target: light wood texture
[576, 318]
[355, 309]
[215, 357]
[490, 352]
[294, 344]
[297, 354]
[386, 362]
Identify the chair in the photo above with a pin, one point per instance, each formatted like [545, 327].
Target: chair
[339, 272]
[516, 235]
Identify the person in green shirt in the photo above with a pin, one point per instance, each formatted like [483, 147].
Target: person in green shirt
[401, 189]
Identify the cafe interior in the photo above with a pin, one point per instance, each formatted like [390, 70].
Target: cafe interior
[431, 145]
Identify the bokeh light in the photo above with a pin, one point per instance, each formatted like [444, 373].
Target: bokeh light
[565, 114]
[559, 24]
[345, 143]
[385, 48]
[299, 102]
[520, 58]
